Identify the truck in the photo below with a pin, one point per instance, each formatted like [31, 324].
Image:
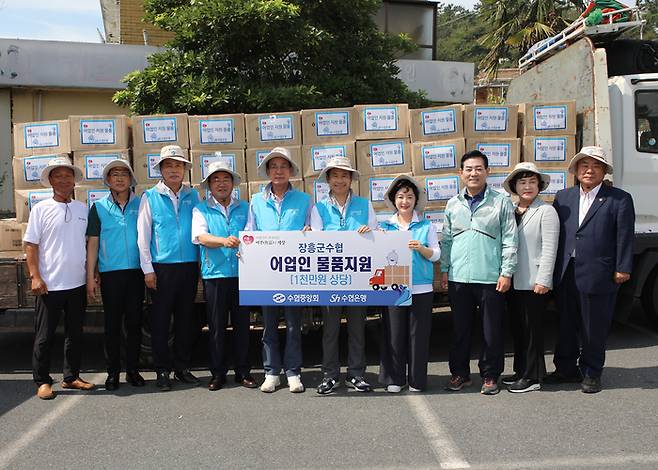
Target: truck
[395, 277]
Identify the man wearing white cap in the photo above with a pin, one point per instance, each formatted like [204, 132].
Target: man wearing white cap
[341, 211]
[594, 257]
[113, 266]
[280, 207]
[55, 249]
[216, 225]
[169, 261]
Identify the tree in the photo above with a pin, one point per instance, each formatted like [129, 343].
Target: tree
[458, 34]
[267, 55]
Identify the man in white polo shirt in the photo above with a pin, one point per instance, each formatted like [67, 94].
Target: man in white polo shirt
[55, 249]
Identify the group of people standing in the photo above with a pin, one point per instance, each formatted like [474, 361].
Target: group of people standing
[165, 239]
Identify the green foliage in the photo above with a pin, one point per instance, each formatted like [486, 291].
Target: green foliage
[457, 34]
[267, 55]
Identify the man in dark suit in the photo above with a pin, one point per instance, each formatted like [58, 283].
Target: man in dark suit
[594, 257]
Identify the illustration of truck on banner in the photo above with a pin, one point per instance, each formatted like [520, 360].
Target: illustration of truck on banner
[395, 277]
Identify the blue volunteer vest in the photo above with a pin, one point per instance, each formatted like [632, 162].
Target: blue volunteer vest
[356, 214]
[222, 262]
[423, 270]
[171, 233]
[117, 247]
[294, 208]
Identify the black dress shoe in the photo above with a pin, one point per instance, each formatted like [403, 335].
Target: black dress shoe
[186, 377]
[559, 378]
[112, 382]
[246, 381]
[163, 382]
[591, 384]
[134, 378]
[216, 383]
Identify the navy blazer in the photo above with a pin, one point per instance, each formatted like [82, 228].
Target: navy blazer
[603, 242]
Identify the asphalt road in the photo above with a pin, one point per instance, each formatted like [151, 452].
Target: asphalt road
[190, 427]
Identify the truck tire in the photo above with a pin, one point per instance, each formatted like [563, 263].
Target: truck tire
[631, 56]
[650, 298]
[394, 287]
[375, 287]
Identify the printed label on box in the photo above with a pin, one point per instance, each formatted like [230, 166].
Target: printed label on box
[94, 195]
[206, 160]
[276, 128]
[320, 190]
[378, 187]
[153, 173]
[550, 118]
[381, 119]
[35, 197]
[439, 156]
[436, 217]
[388, 154]
[383, 216]
[33, 166]
[438, 122]
[260, 156]
[41, 135]
[159, 130]
[490, 119]
[322, 155]
[495, 182]
[558, 181]
[441, 188]
[216, 131]
[95, 164]
[551, 149]
[332, 123]
[97, 131]
[497, 154]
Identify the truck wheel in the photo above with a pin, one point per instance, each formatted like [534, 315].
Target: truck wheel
[394, 287]
[650, 298]
[375, 287]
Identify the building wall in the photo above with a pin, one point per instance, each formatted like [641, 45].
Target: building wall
[132, 26]
[41, 105]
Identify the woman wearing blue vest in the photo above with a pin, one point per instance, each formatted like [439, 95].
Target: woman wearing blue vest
[169, 261]
[342, 210]
[406, 330]
[112, 251]
[280, 207]
[216, 225]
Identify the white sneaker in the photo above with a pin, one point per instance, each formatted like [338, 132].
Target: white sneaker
[414, 389]
[393, 388]
[270, 383]
[295, 384]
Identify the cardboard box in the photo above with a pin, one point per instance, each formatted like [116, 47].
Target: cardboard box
[27, 171]
[26, 199]
[495, 180]
[381, 121]
[319, 190]
[239, 192]
[383, 214]
[271, 130]
[437, 123]
[217, 131]
[440, 188]
[554, 118]
[315, 157]
[373, 188]
[431, 158]
[383, 157]
[499, 121]
[255, 155]
[90, 133]
[502, 154]
[202, 158]
[90, 194]
[140, 188]
[92, 163]
[322, 126]
[560, 179]
[42, 138]
[156, 131]
[549, 151]
[435, 213]
[142, 161]
[11, 234]
[258, 186]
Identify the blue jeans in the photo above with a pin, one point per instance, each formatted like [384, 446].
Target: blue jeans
[292, 356]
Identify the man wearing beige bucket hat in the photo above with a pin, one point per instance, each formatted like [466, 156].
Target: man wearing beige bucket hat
[216, 225]
[55, 249]
[594, 257]
[113, 268]
[169, 261]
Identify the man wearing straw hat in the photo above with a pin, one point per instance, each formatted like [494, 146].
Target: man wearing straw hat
[216, 225]
[342, 210]
[280, 207]
[594, 257]
[55, 249]
[169, 261]
[113, 266]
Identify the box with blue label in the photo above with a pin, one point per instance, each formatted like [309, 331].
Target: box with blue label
[27, 170]
[321, 126]
[26, 199]
[495, 181]
[440, 188]
[201, 159]
[431, 158]
[554, 118]
[316, 156]
[88, 195]
[143, 161]
[253, 157]
[89, 133]
[373, 188]
[435, 213]
[41, 138]
[269, 130]
[381, 121]
[217, 131]
[560, 179]
[498, 121]
[437, 123]
[502, 154]
[319, 190]
[93, 163]
[377, 157]
[549, 150]
[156, 131]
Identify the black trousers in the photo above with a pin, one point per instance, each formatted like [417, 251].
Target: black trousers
[123, 297]
[526, 315]
[48, 310]
[466, 299]
[175, 293]
[406, 341]
[585, 321]
[222, 298]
